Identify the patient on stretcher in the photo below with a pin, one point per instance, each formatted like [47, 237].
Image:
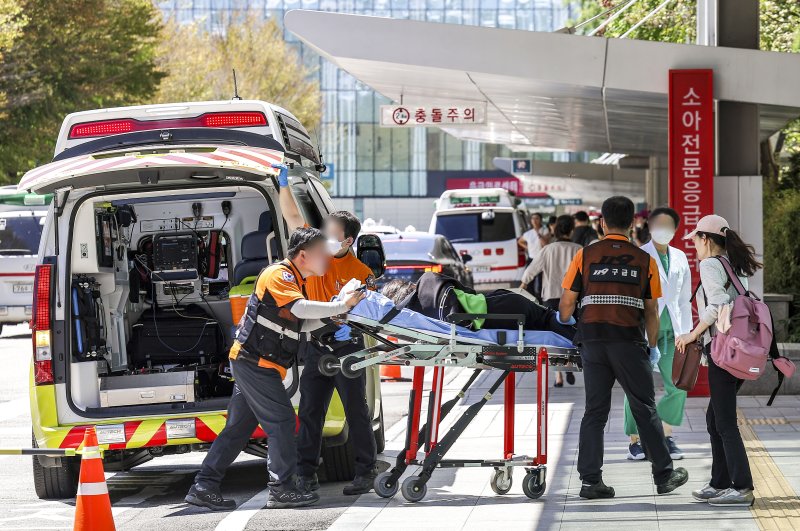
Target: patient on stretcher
[437, 296]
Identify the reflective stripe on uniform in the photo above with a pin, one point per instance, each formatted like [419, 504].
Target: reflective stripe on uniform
[92, 489]
[613, 299]
[266, 323]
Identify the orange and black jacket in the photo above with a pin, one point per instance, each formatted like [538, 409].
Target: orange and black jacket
[613, 278]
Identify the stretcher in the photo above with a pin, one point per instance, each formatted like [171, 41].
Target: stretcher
[407, 338]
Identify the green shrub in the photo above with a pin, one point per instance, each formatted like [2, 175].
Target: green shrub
[781, 242]
[782, 249]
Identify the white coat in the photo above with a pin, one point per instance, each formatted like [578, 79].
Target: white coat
[676, 288]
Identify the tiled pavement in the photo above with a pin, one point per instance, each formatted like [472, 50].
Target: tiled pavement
[462, 499]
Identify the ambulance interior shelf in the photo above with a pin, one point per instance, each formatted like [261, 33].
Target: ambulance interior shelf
[145, 314]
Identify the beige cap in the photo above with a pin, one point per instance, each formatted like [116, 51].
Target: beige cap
[712, 224]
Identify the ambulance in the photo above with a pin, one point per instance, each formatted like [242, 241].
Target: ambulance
[161, 219]
[484, 224]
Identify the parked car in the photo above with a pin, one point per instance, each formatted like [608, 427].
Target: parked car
[21, 220]
[484, 224]
[162, 211]
[370, 226]
[410, 254]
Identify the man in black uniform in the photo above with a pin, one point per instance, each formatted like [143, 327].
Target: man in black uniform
[619, 287]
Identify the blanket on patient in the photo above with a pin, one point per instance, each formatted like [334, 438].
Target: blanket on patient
[375, 306]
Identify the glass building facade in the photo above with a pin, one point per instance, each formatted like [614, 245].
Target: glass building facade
[364, 159]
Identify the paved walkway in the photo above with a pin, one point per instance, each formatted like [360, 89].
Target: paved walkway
[462, 499]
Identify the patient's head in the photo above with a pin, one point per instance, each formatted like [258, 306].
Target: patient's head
[398, 290]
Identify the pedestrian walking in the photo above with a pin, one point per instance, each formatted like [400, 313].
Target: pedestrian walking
[675, 318]
[552, 263]
[534, 238]
[584, 234]
[533, 241]
[618, 287]
[731, 482]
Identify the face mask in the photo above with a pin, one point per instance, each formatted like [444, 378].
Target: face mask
[662, 236]
[334, 246]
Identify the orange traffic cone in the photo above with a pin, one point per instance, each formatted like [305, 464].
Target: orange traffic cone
[92, 506]
[391, 372]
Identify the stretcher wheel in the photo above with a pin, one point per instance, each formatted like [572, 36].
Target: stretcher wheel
[328, 365]
[347, 367]
[413, 489]
[385, 486]
[532, 486]
[501, 482]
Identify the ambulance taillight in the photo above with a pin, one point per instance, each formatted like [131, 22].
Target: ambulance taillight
[132, 125]
[41, 323]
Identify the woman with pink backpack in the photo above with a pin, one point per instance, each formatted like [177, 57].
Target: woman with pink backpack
[731, 483]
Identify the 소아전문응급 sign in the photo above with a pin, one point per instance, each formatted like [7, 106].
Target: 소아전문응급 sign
[691, 152]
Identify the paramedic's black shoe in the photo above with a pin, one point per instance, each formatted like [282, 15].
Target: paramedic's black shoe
[208, 498]
[308, 483]
[570, 378]
[679, 477]
[595, 491]
[360, 485]
[289, 497]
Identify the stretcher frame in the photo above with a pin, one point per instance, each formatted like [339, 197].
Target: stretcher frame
[420, 349]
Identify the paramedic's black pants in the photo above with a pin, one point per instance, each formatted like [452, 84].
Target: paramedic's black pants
[729, 465]
[259, 398]
[629, 364]
[315, 396]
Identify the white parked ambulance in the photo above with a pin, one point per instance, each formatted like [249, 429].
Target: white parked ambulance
[161, 219]
[484, 226]
[22, 217]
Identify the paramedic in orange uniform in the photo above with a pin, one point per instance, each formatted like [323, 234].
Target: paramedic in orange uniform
[267, 341]
[341, 229]
[618, 287]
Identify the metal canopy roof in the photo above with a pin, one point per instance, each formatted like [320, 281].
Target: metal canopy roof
[546, 91]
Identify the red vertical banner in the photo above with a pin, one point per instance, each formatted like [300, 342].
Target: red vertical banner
[691, 152]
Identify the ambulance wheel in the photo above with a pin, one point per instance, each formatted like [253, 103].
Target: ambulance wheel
[532, 487]
[413, 489]
[328, 365]
[383, 487]
[52, 483]
[347, 367]
[500, 482]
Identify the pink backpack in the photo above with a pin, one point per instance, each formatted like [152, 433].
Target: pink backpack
[744, 348]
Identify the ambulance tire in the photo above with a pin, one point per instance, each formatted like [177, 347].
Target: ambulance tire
[339, 462]
[59, 482]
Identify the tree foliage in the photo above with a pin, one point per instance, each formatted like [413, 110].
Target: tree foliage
[61, 57]
[199, 64]
[675, 23]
